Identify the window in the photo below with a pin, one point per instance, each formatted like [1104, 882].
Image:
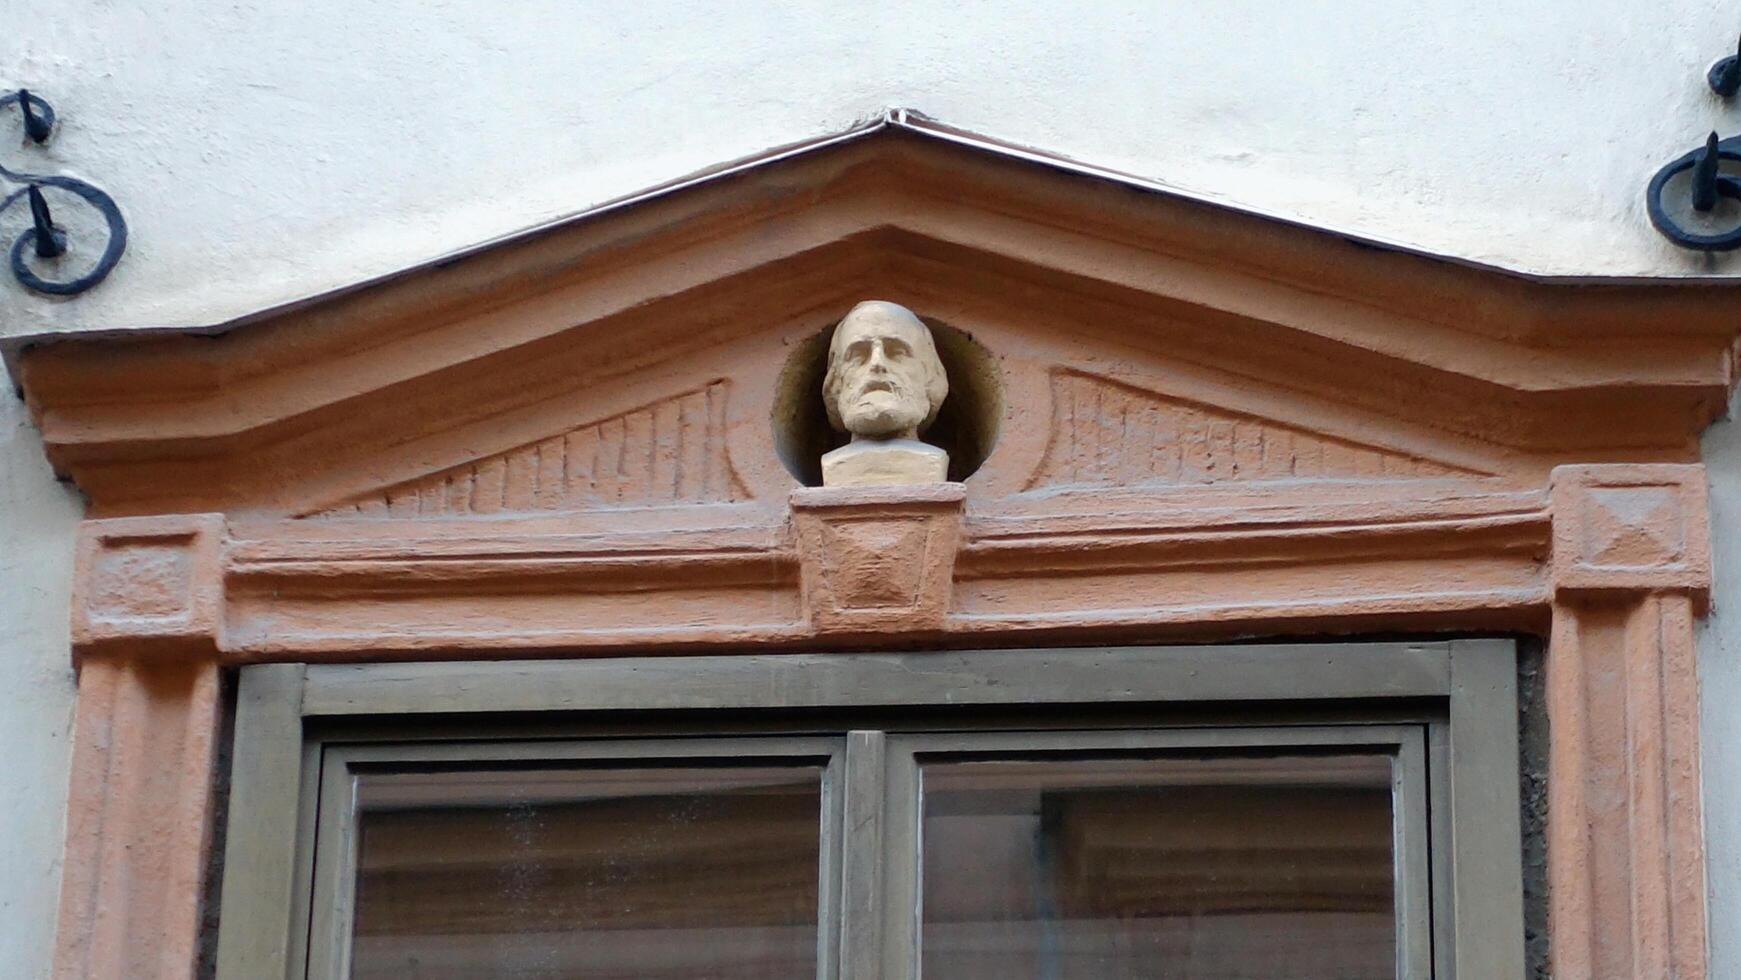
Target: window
[1292, 812]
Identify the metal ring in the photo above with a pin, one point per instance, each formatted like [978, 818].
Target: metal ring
[105, 263]
[1728, 186]
[37, 103]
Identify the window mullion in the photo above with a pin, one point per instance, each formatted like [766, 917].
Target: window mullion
[900, 860]
[861, 856]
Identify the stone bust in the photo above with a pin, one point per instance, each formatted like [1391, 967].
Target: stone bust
[885, 385]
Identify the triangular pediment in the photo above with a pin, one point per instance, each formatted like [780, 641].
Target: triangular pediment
[633, 357]
[1167, 421]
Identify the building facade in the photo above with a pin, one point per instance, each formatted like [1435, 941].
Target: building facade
[1329, 432]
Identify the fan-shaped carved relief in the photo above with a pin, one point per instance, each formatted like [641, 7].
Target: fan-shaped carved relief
[1107, 433]
[670, 452]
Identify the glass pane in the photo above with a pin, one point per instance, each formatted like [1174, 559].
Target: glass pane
[599, 872]
[1277, 868]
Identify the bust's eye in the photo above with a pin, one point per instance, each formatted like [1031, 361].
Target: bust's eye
[859, 351]
[895, 348]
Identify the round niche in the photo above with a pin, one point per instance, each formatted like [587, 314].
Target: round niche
[966, 427]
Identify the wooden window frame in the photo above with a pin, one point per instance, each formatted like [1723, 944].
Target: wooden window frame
[1457, 697]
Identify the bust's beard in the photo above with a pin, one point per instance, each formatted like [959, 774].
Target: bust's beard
[883, 415]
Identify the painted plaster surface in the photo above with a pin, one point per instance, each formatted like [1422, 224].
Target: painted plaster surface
[37, 518]
[268, 151]
[1720, 681]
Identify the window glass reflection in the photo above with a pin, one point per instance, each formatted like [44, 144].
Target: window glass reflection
[1226, 868]
[588, 873]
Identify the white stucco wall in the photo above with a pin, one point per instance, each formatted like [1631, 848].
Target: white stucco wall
[266, 151]
[1720, 679]
[37, 517]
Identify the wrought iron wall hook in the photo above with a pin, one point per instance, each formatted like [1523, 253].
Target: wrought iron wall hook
[45, 240]
[1725, 75]
[50, 241]
[38, 115]
[1709, 184]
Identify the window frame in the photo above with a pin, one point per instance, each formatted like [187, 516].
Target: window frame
[331, 898]
[1461, 694]
[907, 754]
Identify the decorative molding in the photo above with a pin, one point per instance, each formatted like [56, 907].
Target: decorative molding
[670, 452]
[709, 282]
[325, 597]
[337, 590]
[1387, 386]
[1106, 432]
[147, 612]
[1476, 571]
[1632, 569]
[878, 558]
[1631, 528]
[148, 585]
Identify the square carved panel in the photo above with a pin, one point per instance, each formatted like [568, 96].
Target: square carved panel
[1630, 527]
[151, 582]
[878, 557]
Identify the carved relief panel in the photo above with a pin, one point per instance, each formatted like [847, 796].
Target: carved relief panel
[672, 451]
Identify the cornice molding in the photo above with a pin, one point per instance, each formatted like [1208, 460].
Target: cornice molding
[953, 228]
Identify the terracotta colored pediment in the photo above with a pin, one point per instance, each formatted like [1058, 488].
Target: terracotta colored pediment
[633, 357]
[1167, 419]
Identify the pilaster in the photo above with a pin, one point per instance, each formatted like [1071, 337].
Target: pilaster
[139, 805]
[1631, 564]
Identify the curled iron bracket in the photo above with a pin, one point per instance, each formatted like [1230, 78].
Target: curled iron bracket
[1709, 184]
[44, 239]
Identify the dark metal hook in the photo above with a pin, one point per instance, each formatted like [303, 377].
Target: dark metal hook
[1708, 184]
[36, 124]
[50, 241]
[1705, 175]
[42, 239]
[1725, 75]
[1706, 181]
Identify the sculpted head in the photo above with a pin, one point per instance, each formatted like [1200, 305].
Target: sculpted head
[884, 379]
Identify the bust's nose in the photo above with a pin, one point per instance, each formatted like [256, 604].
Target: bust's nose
[879, 361]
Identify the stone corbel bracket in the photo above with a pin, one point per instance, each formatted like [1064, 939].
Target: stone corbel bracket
[1631, 572]
[878, 559]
